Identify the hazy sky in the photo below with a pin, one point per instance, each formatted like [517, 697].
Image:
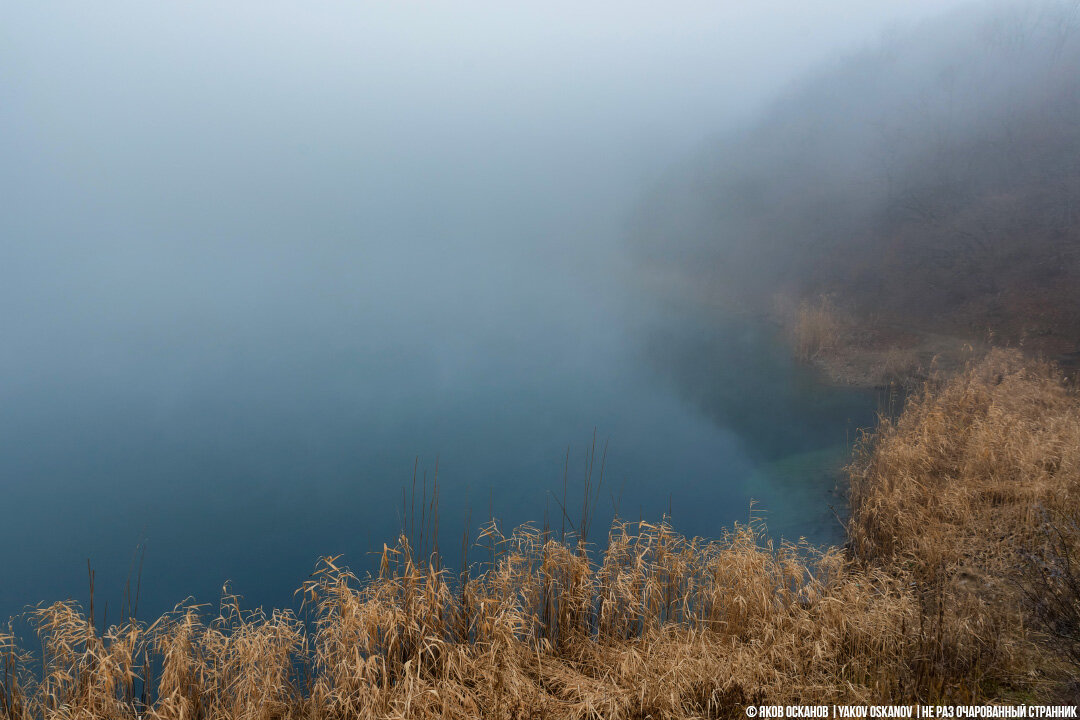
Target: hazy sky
[388, 70]
[173, 152]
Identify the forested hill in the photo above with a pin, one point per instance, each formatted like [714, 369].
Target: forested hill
[932, 178]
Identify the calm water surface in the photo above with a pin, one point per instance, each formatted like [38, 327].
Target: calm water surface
[244, 454]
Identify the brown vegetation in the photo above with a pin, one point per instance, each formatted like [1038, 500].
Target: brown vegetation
[936, 599]
[815, 328]
[974, 491]
[930, 181]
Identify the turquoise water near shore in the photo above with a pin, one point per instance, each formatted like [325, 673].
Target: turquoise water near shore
[247, 467]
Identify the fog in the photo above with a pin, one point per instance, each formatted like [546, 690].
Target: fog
[928, 179]
[256, 257]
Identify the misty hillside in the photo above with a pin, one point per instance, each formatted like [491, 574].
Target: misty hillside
[931, 179]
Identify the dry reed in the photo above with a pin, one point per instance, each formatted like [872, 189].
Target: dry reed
[815, 328]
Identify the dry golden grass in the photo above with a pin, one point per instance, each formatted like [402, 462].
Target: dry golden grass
[660, 626]
[964, 473]
[920, 607]
[971, 490]
[815, 328]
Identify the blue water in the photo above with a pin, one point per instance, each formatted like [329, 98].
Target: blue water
[244, 456]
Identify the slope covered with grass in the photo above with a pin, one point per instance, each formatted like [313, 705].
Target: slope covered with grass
[930, 181]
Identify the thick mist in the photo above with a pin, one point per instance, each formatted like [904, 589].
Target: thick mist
[928, 180]
[257, 257]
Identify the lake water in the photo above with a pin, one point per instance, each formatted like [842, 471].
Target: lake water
[242, 442]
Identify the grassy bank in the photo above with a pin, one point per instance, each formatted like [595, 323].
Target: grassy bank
[854, 350]
[956, 586]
